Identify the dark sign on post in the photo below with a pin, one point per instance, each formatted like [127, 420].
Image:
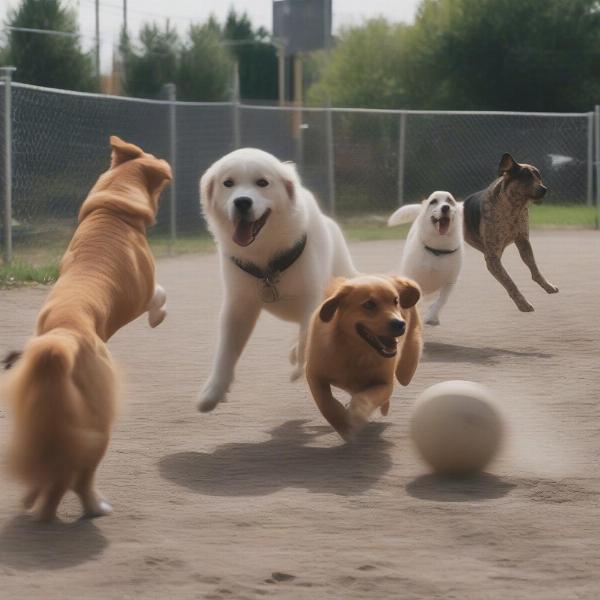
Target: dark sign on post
[302, 25]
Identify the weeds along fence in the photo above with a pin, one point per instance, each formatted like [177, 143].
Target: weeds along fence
[358, 162]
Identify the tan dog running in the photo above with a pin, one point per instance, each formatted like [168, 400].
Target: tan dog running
[366, 331]
[62, 390]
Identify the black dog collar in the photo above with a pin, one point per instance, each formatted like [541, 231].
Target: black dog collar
[276, 266]
[437, 252]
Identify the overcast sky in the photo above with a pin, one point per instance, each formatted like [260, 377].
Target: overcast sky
[183, 12]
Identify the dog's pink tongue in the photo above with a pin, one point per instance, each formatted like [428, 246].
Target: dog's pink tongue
[243, 233]
[443, 225]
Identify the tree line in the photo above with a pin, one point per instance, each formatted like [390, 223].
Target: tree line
[457, 55]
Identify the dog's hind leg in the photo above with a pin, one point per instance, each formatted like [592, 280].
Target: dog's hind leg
[156, 308]
[48, 500]
[93, 504]
[499, 272]
[432, 317]
[30, 498]
[526, 251]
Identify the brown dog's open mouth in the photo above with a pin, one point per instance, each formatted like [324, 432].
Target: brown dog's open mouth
[442, 224]
[386, 345]
[246, 231]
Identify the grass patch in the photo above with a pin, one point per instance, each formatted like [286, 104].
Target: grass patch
[199, 243]
[19, 273]
[562, 215]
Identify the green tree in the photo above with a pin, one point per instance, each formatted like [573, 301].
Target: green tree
[206, 66]
[256, 57]
[367, 67]
[155, 63]
[48, 60]
[506, 54]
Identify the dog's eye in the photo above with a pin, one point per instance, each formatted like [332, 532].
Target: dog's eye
[262, 182]
[369, 305]
[396, 301]
[433, 202]
[228, 183]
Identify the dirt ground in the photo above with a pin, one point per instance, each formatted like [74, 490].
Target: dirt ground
[261, 499]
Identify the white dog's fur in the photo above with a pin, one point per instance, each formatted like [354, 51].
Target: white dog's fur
[294, 212]
[432, 272]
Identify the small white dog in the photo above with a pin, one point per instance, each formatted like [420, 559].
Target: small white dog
[278, 251]
[433, 253]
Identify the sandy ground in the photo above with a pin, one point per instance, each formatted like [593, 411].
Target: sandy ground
[260, 498]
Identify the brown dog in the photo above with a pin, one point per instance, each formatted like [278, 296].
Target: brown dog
[498, 216]
[63, 388]
[367, 330]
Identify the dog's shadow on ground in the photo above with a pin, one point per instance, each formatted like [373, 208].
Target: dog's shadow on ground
[284, 461]
[483, 486]
[451, 353]
[27, 545]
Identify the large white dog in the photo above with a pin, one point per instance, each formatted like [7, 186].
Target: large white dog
[277, 250]
[433, 253]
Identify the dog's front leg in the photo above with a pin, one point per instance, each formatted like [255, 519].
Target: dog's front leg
[526, 251]
[499, 272]
[236, 322]
[333, 410]
[156, 307]
[364, 403]
[432, 317]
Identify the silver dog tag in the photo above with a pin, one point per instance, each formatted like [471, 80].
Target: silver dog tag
[269, 293]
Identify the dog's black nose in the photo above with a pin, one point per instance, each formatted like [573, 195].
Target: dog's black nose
[445, 209]
[243, 203]
[543, 190]
[397, 327]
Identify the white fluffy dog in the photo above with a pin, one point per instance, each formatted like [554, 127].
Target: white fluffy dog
[277, 250]
[433, 253]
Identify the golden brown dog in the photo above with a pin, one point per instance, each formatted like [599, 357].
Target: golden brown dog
[62, 390]
[366, 331]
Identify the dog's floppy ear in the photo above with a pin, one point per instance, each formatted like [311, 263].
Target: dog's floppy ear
[291, 179]
[328, 308]
[412, 347]
[207, 186]
[158, 173]
[409, 291]
[507, 165]
[122, 151]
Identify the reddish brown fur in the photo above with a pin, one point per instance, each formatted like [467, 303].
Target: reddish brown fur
[338, 356]
[63, 390]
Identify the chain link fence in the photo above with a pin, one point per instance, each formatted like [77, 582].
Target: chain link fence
[358, 162]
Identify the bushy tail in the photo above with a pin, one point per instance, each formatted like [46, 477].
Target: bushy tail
[405, 214]
[49, 440]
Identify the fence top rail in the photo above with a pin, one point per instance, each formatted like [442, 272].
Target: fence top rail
[387, 111]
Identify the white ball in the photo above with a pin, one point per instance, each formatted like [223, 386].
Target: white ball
[457, 427]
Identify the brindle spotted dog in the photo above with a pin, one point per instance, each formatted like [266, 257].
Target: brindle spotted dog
[498, 216]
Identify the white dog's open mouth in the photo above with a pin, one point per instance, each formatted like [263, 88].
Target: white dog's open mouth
[442, 224]
[386, 345]
[246, 231]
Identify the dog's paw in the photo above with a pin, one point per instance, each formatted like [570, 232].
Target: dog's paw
[156, 317]
[525, 306]
[433, 320]
[551, 289]
[210, 396]
[101, 508]
[297, 372]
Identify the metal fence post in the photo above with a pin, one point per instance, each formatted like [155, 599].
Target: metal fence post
[6, 73]
[329, 142]
[597, 136]
[172, 97]
[590, 161]
[237, 133]
[401, 146]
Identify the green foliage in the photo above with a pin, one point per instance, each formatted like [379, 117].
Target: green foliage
[206, 66]
[471, 54]
[256, 56]
[48, 60]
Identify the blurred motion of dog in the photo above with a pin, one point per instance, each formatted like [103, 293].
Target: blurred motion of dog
[498, 216]
[62, 390]
[433, 252]
[367, 330]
